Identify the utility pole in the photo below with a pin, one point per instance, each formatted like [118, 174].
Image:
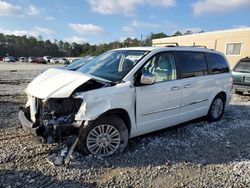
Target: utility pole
[141, 39]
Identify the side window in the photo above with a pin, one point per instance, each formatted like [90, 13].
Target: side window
[162, 66]
[217, 63]
[192, 64]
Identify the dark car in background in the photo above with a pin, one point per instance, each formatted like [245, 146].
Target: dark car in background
[40, 60]
[241, 76]
[9, 59]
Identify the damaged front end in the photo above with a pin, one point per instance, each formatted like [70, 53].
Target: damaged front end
[56, 120]
[51, 120]
[53, 103]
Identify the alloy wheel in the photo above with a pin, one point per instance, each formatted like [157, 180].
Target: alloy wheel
[103, 140]
[217, 108]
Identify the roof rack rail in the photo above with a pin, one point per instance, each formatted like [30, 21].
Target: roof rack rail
[199, 46]
[171, 44]
[167, 44]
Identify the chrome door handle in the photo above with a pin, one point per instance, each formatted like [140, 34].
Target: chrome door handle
[175, 88]
[188, 86]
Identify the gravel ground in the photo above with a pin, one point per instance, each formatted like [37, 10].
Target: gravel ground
[194, 154]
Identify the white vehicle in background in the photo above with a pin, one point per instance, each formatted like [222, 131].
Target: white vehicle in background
[23, 59]
[55, 60]
[72, 59]
[9, 59]
[31, 59]
[47, 59]
[64, 61]
[125, 93]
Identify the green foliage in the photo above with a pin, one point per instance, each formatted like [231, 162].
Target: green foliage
[30, 46]
[158, 35]
[177, 33]
[27, 46]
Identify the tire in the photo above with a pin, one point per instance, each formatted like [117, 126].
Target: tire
[90, 137]
[216, 109]
[239, 92]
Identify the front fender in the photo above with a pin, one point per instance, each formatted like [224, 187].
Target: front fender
[92, 109]
[97, 102]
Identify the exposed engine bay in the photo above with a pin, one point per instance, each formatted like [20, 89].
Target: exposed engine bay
[53, 120]
[64, 109]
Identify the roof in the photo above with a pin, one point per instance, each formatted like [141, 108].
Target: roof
[160, 48]
[144, 48]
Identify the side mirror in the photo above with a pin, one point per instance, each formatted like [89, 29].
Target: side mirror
[147, 79]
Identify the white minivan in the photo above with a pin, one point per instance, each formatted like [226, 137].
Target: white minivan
[127, 92]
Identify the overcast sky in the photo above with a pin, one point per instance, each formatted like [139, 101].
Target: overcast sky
[98, 21]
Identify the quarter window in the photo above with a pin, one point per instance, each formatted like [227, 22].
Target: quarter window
[217, 63]
[162, 66]
[233, 49]
[191, 64]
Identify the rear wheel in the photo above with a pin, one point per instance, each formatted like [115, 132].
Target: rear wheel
[104, 137]
[216, 109]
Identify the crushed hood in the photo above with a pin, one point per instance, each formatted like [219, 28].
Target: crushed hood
[56, 83]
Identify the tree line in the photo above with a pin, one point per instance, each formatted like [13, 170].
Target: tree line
[29, 46]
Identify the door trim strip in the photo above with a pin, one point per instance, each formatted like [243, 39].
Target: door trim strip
[161, 110]
[172, 108]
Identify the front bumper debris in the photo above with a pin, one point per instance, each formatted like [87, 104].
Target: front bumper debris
[63, 153]
[27, 124]
[65, 147]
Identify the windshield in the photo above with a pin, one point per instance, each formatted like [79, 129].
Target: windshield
[113, 65]
[242, 66]
[79, 63]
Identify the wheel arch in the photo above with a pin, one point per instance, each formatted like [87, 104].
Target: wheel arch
[121, 113]
[223, 95]
[209, 115]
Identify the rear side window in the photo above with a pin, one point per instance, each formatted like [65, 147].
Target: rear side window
[217, 63]
[243, 66]
[191, 64]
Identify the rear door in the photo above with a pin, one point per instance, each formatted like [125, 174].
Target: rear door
[197, 85]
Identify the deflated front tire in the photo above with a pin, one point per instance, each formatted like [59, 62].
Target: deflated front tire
[104, 137]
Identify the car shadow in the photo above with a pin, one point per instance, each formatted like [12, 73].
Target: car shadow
[198, 142]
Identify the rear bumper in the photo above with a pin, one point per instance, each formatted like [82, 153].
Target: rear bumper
[243, 88]
[27, 124]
